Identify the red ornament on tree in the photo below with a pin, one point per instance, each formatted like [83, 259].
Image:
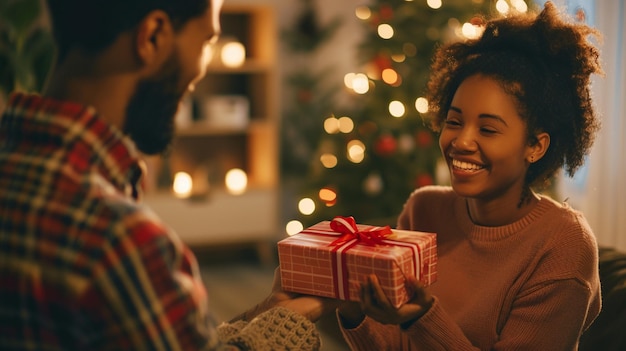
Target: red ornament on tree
[423, 138]
[386, 12]
[423, 179]
[386, 145]
[304, 96]
[382, 62]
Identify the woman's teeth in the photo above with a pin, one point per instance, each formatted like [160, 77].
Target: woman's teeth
[466, 165]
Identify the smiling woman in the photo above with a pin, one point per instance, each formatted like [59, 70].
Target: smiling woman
[485, 142]
[503, 132]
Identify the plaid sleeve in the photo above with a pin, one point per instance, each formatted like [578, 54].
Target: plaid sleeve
[148, 293]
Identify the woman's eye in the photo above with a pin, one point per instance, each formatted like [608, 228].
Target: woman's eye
[488, 130]
[452, 123]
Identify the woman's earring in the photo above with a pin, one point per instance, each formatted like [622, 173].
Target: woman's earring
[532, 159]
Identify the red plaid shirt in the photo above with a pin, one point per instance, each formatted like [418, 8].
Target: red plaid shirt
[83, 265]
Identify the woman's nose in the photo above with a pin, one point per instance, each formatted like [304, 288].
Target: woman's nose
[464, 141]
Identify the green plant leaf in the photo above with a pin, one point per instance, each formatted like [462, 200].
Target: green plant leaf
[20, 14]
[40, 49]
[7, 77]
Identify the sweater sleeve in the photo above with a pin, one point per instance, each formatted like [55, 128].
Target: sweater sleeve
[550, 316]
[556, 325]
[371, 335]
[434, 331]
[553, 316]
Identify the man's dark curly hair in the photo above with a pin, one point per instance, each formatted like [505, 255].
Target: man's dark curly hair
[546, 64]
[92, 25]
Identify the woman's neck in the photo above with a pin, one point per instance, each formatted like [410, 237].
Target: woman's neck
[499, 213]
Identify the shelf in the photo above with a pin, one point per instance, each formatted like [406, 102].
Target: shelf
[200, 129]
[251, 65]
[221, 218]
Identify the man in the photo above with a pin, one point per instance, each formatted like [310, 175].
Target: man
[83, 265]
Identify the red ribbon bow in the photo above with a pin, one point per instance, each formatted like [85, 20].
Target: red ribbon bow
[347, 226]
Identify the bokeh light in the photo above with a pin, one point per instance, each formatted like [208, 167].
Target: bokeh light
[390, 76]
[294, 227]
[360, 83]
[233, 54]
[434, 4]
[502, 6]
[385, 31]
[346, 125]
[236, 181]
[328, 160]
[328, 195]
[397, 109]
[183, 185]
[363, 12]
[421, 105]
[356, 151]
[306, 206]
[331, 125]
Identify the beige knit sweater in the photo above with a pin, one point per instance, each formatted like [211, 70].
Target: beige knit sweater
[529, 285]
[274, 330]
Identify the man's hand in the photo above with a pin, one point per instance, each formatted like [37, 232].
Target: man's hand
[312, 307]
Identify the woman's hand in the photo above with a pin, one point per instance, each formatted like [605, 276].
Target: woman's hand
[375, 304]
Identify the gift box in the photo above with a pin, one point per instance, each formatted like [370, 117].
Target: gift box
[333, 258]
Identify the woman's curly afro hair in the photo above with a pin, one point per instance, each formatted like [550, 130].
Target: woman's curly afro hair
[546, 64]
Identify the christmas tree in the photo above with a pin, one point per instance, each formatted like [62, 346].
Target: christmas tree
[370, 159]
[310, 95]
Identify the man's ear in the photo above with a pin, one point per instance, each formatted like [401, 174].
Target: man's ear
[154, 38]
[539, 148]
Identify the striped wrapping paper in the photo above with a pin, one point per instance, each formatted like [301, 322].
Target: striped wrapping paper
[311, 262]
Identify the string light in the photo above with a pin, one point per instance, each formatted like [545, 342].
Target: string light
[502, 6]
[233, 54]
[390, 76]
[421, 105]
[519, 5]
[385, 31]
[328, 196]
[348, 79]
[397, 109]
[360, 83]
[363, 12]
[331, 125]
[306, 206]
[236, 181]
[356, 151]
[434, 4]
[398, 58]
[471, 31]
[346, 125]
[328, 160]
[294, 227]
[183, 185]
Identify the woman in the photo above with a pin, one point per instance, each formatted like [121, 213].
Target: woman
[516, 270]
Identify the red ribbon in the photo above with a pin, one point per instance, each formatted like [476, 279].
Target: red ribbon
[347, 226]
